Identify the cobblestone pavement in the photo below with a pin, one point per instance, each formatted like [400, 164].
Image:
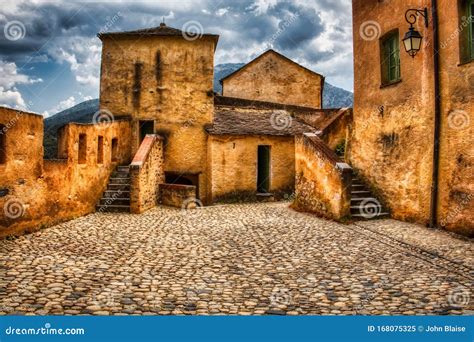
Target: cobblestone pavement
[237, 259]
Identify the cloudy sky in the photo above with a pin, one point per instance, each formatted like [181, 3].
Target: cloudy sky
[50, 53]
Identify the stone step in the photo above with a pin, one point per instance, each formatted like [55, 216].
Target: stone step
[114, 208]
[115, 201]
[117, 174]
[360, 193]
[115, 187]
[371, 205]
[116, 194]
[357, 199]
[123, 168]
[119, 180]
[365, 217]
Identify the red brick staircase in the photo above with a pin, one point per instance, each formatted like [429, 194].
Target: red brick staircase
[116, 198]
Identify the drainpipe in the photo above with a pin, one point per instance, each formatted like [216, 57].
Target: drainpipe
[437, 119]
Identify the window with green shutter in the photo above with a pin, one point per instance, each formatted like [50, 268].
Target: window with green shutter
[466, 34]
[390, 58]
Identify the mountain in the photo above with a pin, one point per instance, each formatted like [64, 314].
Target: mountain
[82, 113]
[221, 71]
[333, 97]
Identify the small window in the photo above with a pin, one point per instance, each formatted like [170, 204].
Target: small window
[82, 153]
[3, 144]
[114, 149]
[100, 150]
[390, 58]
[466, 33]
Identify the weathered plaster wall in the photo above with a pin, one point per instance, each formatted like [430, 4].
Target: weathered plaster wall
[275, 79]
[51, 191]
[338, 130]
[392, 144]
[323, 185]
[456, 187]
[233, 163]
[392, 139]
[178, 195]
[168, 80]
[146, 173]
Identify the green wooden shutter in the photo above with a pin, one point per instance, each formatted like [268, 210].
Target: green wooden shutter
[391, 59]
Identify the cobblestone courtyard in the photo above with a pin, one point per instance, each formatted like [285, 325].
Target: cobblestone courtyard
[236, 259]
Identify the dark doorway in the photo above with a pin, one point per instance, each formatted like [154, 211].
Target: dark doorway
[263, 172]
[146, 127]
[114, 150]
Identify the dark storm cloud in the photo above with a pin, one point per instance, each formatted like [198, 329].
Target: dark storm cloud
[246, 27]
[46, 21]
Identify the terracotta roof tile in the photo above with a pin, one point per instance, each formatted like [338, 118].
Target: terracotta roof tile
[161, 30]
[256, 122]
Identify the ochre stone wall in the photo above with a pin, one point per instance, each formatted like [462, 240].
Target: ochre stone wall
[146, 173]
[323, 185]
[168, 80]
[178, 195]
[456, 186]
[45, 192]
[338, 130]
[274, 78]
[233, 163]
[392, 144]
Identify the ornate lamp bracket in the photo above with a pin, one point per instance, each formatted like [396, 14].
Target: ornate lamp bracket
[412, 14]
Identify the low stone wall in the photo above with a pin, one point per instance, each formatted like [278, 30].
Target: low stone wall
[146, 173]
[323, 184]
[177, 195]
[35, 193]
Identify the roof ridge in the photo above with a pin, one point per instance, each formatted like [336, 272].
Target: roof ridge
[265, 53]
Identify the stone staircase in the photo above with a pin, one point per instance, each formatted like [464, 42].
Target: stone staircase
[364, 205]
[116, 198]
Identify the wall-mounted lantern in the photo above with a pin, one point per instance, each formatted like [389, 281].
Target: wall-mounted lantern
[413, 38]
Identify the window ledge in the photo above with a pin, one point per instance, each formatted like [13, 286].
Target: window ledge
[385, 85]
[466, 62]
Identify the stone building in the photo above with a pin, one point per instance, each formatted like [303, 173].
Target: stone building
[275, 78]
[393, 140]
[162, 135]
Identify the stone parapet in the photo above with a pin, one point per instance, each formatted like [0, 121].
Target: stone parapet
[146, 173]
[323, 183]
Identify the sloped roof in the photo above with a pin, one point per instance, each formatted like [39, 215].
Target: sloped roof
[162, 30]
[262, 55]
[275, 122]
